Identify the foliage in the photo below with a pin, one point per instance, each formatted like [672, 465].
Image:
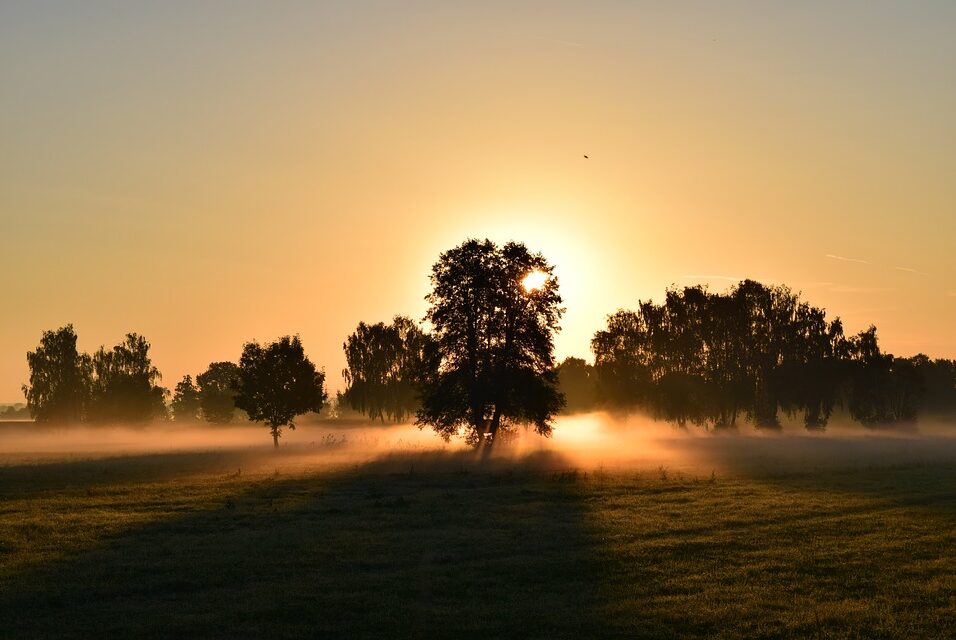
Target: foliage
[578, 383]
[709, 359]
[387, 365]
[185, 403]
[123, 384]
[15, 412]
[217, 391]
[495, 342]
[277, 382]
[938, 381]
[882, 389]
[59, 378]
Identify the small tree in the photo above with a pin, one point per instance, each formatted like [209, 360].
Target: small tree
[185, 402]
[59, 378]
[217, 391]
[277, 382]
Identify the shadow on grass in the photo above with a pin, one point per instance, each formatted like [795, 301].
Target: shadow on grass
[31, 478]
[410, 546]
[438, 545]
[918, 472]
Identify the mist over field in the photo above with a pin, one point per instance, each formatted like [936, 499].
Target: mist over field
[586, 442]
[368, 530]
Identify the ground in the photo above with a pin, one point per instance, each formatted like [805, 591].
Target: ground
[789, 540]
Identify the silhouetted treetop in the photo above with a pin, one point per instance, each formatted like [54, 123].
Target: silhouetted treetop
[706, 359]
[185, 404]
[59, 386]
[495, 340]
[386, 367]
[277, 382]
[578, 383]
[124, 385]
[217, 391]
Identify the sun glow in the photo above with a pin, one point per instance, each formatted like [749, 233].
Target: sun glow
[534, 280]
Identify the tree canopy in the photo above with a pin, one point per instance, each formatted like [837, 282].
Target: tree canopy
[59, 378]
[495, 342]
[709, 359]
[185, 404]
[277, 382]
[386, 367]
[578, 383]
[123, 384]
[217, 391]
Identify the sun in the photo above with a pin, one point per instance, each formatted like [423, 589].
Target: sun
[534, 280]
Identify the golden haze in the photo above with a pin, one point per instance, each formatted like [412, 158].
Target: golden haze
[206, 180]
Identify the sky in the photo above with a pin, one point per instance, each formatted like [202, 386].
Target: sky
[211, 173]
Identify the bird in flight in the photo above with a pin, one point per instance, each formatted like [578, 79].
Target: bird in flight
[585, 157]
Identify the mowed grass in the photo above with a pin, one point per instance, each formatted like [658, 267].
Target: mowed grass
[443, 545]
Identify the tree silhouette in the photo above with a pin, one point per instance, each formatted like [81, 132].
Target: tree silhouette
[277, 382]
[185, 403]
[124, 385]
[706, 359]
[59, 378]
[494, 339]
[387, 365]
[577, 382]
[881, 389]
[939, 383]
[217, 391]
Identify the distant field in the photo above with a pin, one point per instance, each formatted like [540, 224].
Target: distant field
[694, 537]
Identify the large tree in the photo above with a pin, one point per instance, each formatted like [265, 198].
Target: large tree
[59, 378]
[124, 385]
[185, 403]
[387, 365]
[494, 311]
[277, 382]
[217, 391]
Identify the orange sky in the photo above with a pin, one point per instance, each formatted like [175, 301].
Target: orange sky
[207, 176]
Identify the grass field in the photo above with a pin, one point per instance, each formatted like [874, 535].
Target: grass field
[737, 537]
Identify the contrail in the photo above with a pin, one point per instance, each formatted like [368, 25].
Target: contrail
[845, 259]
[909, 270]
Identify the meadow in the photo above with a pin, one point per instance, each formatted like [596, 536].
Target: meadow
[598, 533]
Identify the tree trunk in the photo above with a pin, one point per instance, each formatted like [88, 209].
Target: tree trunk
[275, 437]
[495, 423]
[491, 429]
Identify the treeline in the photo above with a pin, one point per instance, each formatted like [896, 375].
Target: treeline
[272, 383]
[486, 365]
[749, 355]
[112, 385]
[716, 360]
[14, 412]
[119, 385]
